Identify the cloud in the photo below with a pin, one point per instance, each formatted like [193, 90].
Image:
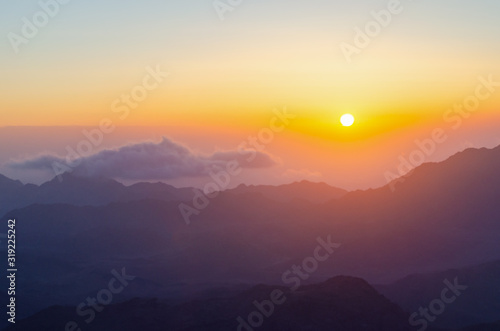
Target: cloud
[147, 160]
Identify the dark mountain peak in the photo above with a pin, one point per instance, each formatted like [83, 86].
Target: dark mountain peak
[478, 283]
[75, 189]
[343, 283]
[6, 182]
[495, 326]
[472, 155]
[470, 162]
[307, 309]
[303, 190]
[347, 289]
[468, 178]
[260, 290]
[339, 286]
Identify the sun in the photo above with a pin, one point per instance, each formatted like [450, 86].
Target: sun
[347, 120]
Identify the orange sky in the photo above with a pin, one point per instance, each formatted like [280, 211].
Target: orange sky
[225, 78]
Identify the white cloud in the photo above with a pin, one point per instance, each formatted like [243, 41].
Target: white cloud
[149, 160]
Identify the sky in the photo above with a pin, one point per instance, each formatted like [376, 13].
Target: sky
[214, 78]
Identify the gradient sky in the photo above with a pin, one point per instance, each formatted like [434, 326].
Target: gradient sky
[227, 76]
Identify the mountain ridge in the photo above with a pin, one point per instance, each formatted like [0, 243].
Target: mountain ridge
[341, 303]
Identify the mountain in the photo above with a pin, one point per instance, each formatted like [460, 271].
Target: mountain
[484, 327]
[341, 304]
[11, 193]
[425, 226]
[92, 191]
[81, 191]
[444, 215]
[480, 302]
[9, 184]
[305, 190]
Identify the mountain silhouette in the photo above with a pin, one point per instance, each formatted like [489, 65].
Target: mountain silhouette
[305, 190]
[480, 302]
[444, 216]
[341, 304]
[81, 191]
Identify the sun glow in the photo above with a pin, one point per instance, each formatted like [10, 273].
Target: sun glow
[347, 120]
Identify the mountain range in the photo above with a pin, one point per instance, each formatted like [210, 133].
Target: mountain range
[440, 223]
[92, 191]
[341, 304]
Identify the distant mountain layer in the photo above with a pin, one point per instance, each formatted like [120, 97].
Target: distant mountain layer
[83, 191]
[340, 304]
[478, 302]
[484, 327]
[444, 215]
[313, 192]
